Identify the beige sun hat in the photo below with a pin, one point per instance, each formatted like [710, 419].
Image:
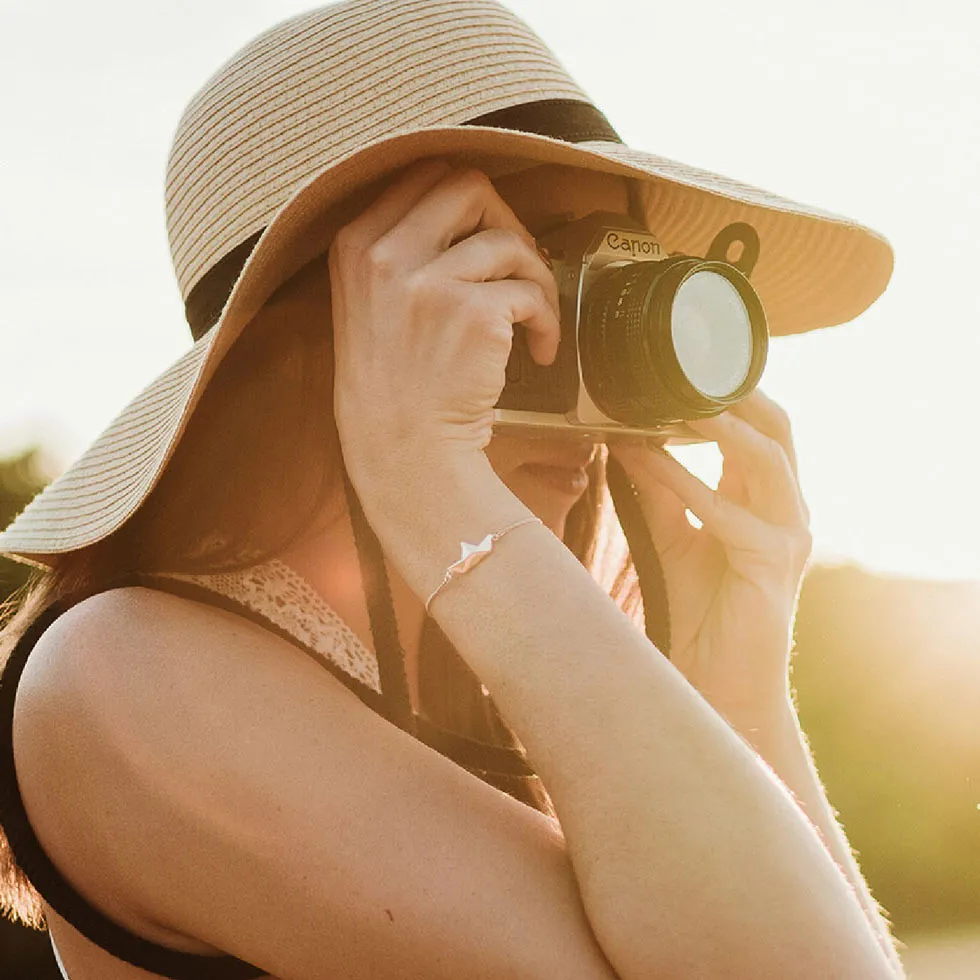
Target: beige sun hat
[328, 102]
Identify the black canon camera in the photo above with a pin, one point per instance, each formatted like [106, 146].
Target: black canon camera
[648, 340]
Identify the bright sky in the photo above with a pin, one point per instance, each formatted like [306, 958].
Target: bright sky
[864, 107]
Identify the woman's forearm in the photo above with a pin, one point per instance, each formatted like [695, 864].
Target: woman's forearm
[778, 738]
[691, 858]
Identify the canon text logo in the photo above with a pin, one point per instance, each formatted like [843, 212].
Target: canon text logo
[637, 247]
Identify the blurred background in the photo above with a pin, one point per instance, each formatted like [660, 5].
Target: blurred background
[867, 108]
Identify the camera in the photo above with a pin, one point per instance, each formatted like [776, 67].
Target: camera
[649, 340]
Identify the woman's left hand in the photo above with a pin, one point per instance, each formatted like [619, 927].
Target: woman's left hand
[733, 584]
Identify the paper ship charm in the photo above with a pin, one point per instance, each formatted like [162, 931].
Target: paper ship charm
[472, 554]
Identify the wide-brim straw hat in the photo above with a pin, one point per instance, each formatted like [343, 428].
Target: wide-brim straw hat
[336, 99]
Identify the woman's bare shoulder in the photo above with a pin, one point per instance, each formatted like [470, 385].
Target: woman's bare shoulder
[186, 767]
[134, 654]
[133, 635]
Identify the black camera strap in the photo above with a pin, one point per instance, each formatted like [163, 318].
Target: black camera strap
[646, 560]
[381, 612]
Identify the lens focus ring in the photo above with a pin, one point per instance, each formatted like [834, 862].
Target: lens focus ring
[642, 365]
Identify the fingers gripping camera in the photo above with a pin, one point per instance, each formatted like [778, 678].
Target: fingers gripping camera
[648, 340]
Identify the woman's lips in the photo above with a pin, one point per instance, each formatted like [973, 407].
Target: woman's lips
[570, 480]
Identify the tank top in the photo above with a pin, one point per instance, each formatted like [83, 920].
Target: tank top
[278, 599]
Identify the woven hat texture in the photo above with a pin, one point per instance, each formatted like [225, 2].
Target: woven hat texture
[331, 101]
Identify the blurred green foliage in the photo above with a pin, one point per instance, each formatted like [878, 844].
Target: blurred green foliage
[21, 478]
[888, 681]
[887, 674]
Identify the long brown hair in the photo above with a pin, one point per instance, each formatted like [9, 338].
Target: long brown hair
[259, 461]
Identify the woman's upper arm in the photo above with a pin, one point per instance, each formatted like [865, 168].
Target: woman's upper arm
[187, 769]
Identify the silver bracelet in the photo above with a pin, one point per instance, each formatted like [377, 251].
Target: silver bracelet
[472, 554]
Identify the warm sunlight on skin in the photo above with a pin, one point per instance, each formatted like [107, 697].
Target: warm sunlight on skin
[863, 109]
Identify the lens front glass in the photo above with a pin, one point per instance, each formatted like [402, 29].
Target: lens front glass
[712, 334]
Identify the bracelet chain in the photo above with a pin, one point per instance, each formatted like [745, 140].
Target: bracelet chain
[472, 554]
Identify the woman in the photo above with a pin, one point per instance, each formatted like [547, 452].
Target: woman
[193, 794]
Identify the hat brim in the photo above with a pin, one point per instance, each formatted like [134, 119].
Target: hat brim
[815, 269]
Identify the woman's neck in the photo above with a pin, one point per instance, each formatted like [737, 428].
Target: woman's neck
[328, 560]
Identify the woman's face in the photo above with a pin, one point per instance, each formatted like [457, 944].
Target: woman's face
[548, 473]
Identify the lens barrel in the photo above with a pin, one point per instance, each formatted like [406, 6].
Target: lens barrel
[668, 341]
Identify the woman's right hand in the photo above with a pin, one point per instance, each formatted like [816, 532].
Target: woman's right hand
[427, 285]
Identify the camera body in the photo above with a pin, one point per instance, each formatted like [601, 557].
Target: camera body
[649, 340]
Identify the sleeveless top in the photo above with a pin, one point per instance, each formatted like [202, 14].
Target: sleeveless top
[276, 598]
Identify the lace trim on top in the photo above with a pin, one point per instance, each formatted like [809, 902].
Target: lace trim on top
[283, 596]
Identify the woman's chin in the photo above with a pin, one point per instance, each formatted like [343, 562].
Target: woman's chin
[548, 492]
[563, 481]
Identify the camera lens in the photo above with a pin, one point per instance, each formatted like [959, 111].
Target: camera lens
[712, 334]
[668, 341]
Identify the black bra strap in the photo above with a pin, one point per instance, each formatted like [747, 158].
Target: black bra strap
[208, 597]
[499, 760]
[498, 763]
[466, 752]
[481, 757]
[38, 867]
